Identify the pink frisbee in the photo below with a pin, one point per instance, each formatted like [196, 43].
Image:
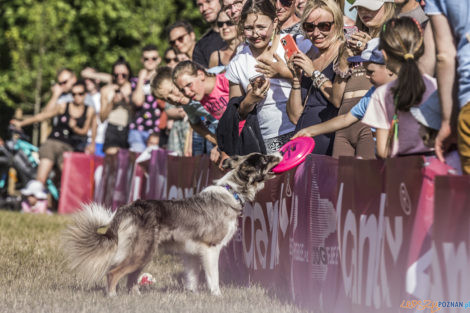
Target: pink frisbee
[294, 152]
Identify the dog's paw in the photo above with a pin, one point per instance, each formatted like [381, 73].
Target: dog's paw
[216, 292]
[112, 294]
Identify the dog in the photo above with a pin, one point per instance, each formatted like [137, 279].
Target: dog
[99, 242]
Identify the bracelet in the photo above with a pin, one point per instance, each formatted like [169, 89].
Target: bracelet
[320, 80]
[295, 88]
[340, 73]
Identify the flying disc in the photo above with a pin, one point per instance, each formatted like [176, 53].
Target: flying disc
[294, 152]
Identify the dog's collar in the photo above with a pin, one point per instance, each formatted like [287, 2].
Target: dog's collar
[235, 194]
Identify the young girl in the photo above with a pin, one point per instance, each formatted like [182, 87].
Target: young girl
[262, 54]
[212, 91]
[35, 199]
[116, 108]
[398, 132]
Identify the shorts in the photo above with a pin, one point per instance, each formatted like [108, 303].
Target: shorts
[53, 150]
[115, 136]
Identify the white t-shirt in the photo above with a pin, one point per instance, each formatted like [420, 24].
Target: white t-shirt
[272, 115]
[380, 114]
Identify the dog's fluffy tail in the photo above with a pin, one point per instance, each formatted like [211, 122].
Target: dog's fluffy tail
[88, 243]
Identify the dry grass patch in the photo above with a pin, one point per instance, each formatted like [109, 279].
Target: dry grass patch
[34, 278]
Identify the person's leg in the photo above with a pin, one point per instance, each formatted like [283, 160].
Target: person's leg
[44, 169]
[198, 144]
[463, 128]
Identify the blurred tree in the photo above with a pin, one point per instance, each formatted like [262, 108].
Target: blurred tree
[39, 37]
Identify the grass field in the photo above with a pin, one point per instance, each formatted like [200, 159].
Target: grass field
[34, 278]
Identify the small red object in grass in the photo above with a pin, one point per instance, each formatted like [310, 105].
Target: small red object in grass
[294, 152]
[146, 279]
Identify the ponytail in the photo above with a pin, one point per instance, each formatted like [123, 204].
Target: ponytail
[402, 40]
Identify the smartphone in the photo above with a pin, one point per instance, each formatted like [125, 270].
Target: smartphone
[349, 31]
[257, 80]
[289, 45]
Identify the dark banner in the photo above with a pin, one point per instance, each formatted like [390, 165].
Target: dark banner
[333, 236]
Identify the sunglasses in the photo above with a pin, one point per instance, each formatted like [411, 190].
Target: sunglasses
[63, 82]
[123, 75]
[179, 39]
[152, 58]
[322, 26]
[221, 24]
[169, 60]
[286, 3]
[78, 93]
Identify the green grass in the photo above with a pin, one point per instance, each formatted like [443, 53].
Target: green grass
[34, 278]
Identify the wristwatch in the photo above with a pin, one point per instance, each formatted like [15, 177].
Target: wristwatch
[316, 74]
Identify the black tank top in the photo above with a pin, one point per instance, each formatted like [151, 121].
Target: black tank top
[61, 131]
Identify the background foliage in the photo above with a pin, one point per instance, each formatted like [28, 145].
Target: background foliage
[39, 37]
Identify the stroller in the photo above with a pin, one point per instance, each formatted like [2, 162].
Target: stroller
[21, 155]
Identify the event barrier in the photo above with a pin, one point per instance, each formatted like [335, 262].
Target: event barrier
[332, 236]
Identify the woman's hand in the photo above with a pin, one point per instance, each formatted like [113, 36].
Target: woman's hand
[257, 91]
[270, 68]
[358, 42]
[295, 70]
[302, 61]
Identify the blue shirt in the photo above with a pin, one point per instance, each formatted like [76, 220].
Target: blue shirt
[359, 110]
[458, 15]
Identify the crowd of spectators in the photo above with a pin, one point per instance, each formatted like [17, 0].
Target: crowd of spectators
[368, 78]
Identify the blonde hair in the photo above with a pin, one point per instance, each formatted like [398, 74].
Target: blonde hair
[389, 12]
[329, 6]
[188, 67]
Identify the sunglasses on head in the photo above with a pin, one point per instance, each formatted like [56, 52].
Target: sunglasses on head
[179, 39]
[169, 60]
[123, 75]
[286, 3]
[152, 58]
[78, 93]
[221, 24]
[322, 26]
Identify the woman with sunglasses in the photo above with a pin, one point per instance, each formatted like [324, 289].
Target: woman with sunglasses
[228, 32]
[116, 107]
[309, 102]
[351, 83]
[267, 94]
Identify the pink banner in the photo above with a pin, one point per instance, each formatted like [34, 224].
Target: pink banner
[77, 181]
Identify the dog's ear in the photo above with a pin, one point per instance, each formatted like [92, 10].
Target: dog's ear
[231, 163]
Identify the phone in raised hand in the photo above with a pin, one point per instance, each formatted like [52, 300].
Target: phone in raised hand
[289, 45]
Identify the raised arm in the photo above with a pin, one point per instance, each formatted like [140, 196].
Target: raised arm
[44, 115]
[254, 95]
[90, 116]
[107, 93]
[446, 68]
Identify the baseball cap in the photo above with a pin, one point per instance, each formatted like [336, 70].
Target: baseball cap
[428, 113]
[372, 5]
[34, 188]
[370, 54]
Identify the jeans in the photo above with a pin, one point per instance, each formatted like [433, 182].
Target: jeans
[201, 145]
[137, 140]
